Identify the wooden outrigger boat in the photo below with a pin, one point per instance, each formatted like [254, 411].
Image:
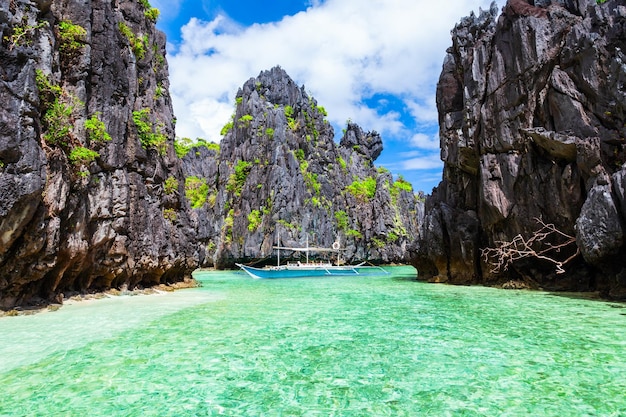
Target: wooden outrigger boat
[308, 268]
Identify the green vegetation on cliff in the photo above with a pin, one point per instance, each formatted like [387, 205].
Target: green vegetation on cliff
[196, 191]
[58, 109]
[138, 44]
[150, 134]
[170, 185]
[183, 146]
[254, 220]
[341, 219]
[22, 35]
[399, 185]
[96, 130]
[238, 178]
[363, 190]
[291, 121]
[58, 123]
[56, 112]
[81, 157]
[227, 127]
[170, 214]
[72, 37]
[244, 121]
[152, 13]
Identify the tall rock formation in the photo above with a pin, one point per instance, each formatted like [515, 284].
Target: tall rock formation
[86, 134]
[278, 172]
[93, 193]
[532, 111]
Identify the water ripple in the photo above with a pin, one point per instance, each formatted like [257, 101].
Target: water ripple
[350, 346]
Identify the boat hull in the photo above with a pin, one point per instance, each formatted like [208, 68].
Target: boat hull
[309, 271]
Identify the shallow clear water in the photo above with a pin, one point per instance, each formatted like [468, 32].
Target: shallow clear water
[348, 346]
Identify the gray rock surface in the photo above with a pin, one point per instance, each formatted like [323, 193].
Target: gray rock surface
[279, 172]
[124, 214]
[532, 123]
[81, 226]
[599, 229]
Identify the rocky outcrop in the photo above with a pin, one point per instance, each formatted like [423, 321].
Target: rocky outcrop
[94, 195]
[279, 172]
[532, 125]
[86, 135]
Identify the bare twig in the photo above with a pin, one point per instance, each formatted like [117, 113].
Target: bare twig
[21, 33]
[536, 246]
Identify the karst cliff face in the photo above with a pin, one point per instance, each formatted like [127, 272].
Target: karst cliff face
[278, 172]
[86, 145]
[533, 126]
[95, 193]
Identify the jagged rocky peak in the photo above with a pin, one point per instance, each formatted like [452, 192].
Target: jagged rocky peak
[368, 144]
[471, 26]
[280, 172]
[532, 113]
[274, 103]
[276, 87]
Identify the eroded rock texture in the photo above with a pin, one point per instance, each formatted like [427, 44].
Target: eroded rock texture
[279, 172]
[532, 124]
[71, 220]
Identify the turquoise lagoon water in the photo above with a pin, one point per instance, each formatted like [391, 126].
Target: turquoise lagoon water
[346, 346]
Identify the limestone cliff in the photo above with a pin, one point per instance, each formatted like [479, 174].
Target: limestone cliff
[532, 124]
[94, 194]
[279, 172]
[86, 134]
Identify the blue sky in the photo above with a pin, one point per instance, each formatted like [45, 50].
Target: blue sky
[375, 62]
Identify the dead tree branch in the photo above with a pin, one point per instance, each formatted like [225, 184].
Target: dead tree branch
[537, 246]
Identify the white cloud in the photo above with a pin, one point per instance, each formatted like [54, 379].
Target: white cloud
[342, 50]
[421, 162]
[422, 168]
[424, 141]
[425, 112]
[314, 3]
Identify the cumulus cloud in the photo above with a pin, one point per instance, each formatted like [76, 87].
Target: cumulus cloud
[314, 3]
[342, 51]
[422, 162]
[425, 141]
[424, 112]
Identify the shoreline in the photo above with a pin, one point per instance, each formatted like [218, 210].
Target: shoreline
[76, 297]
[162, 289]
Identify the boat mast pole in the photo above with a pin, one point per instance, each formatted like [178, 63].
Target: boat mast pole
[278, 248]
[307, 248]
